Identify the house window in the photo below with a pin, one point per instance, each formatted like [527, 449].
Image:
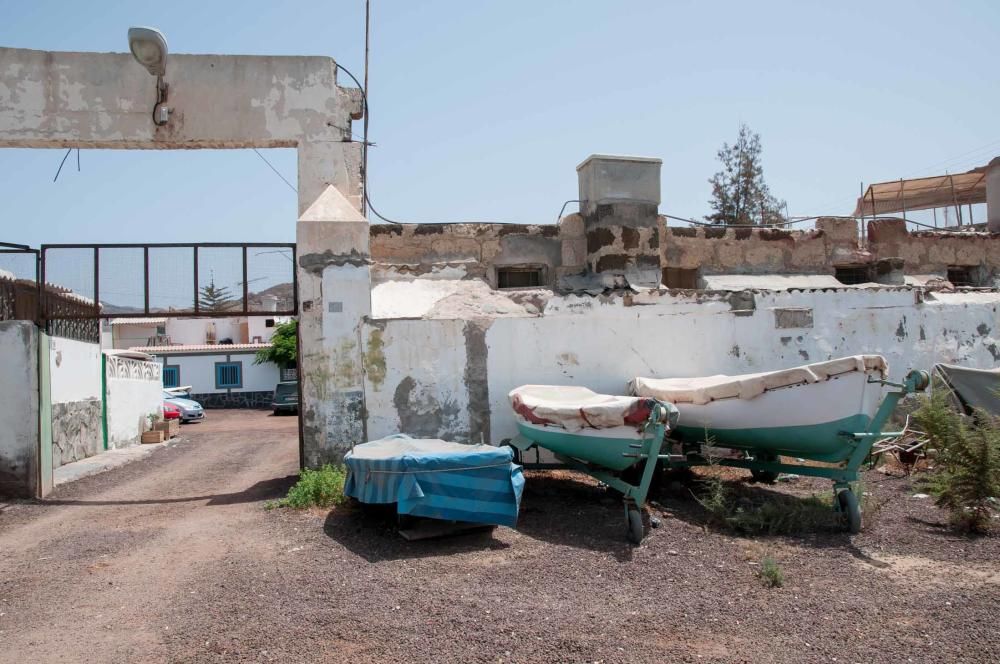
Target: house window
[289, 373]
[171, 375]
[269, 322]
[960, 275]
[519, 277]
[228, 375]
[850, 275]
[679, 277]
[161, 329]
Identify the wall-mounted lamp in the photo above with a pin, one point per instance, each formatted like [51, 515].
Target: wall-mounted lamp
[149, 48]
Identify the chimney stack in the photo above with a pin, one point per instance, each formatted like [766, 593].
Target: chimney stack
[619, 203]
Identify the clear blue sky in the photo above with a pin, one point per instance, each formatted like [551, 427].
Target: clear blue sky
[481, 110]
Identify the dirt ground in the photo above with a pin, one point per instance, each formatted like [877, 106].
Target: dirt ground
[175, 558]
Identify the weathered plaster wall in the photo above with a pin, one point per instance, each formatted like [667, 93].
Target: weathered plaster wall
[462, 250]
[75, 370]
[433, 377]
[834, 241]
[930, 252]
[133, 391]
[18, 409]
[105, 100]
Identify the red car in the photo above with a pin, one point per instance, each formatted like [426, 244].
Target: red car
[171, 412]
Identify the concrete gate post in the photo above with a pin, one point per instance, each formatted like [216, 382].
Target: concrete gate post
[334, 300]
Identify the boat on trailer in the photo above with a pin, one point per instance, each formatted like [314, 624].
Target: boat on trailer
[615, 439]
[829, 412]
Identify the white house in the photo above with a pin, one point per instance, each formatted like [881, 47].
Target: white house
[220, 375]
[215, 356]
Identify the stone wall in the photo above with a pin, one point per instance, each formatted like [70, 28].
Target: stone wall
[463, 250]
[76, 431]
[934, 252]
[260, 400]
[834, 241]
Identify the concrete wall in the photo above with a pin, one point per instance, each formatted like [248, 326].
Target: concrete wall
[198, 371]
[134, 390]
[18, 409]
[105, 100]
[433, 377]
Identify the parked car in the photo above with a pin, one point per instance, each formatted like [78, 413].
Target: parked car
[190, 411]
[170, 411]
[286, 397]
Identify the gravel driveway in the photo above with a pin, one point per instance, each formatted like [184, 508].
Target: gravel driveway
[174, 558]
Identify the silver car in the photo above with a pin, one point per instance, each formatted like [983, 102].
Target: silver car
[191, 411]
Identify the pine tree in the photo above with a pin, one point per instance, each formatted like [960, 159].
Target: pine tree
[739, 194]
[214, 298]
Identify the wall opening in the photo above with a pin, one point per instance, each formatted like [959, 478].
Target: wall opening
[679, 277]
[962, 275]
[519, 277]
[850, 275]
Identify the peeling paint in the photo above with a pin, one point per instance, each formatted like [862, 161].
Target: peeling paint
[476, 379]
[374, 359]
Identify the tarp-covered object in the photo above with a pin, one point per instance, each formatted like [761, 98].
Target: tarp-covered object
[705, 389]
[574, 408]
[975, 388]
[437, 479]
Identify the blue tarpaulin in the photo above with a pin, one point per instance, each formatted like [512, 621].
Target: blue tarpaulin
[437, 479]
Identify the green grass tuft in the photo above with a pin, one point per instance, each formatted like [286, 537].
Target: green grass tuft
[770, 574]
[321, 487]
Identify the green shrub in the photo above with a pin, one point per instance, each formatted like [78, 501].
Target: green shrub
[770, 574]
[966, 476]
[322, 487]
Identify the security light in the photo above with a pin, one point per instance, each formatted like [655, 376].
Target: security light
[149, 47]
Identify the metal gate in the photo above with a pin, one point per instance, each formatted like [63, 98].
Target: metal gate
[88, 282]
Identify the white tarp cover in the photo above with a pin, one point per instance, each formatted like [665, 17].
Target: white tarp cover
[702, 390]
[575, 408]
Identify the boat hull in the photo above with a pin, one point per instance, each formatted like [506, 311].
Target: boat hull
[802, 420]
[602, 447]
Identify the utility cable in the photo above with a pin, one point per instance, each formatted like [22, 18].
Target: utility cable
[271, 166]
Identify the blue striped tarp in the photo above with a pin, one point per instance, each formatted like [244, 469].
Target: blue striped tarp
[437, 479]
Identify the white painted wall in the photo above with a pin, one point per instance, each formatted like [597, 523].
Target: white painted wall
[134, 391]
[198, 371]
[130, 336]
[258, 327]
[195, 330]
[18, 408]
[602, 344]
[76, 370]
[433, 354]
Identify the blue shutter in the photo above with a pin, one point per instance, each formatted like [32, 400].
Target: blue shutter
[228, 375]
[171, 376]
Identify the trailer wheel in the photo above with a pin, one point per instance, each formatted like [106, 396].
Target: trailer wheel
[764, 476]
[636, 531]
[851, 510]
